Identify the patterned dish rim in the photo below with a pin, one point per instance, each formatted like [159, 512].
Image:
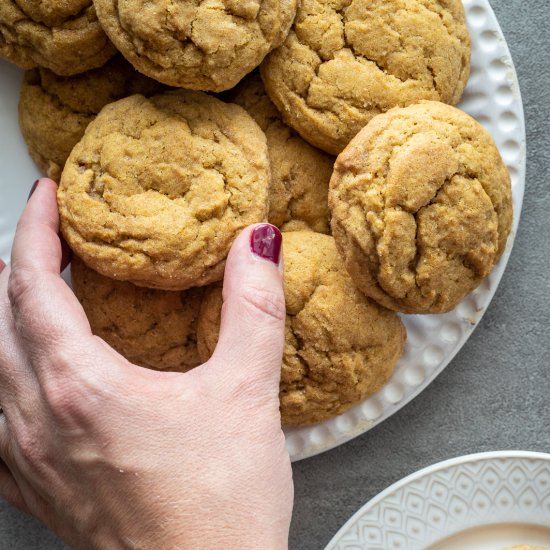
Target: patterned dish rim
[456, 464]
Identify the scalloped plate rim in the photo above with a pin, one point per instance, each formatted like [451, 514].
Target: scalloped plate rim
[428, 471]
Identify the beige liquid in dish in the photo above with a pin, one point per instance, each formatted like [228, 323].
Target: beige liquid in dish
[496, 537]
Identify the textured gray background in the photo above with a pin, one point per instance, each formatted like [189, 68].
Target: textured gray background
[495, 395]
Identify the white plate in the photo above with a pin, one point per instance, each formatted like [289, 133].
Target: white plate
[487, 501]
[492, 97]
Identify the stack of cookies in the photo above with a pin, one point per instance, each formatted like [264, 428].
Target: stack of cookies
[157, 175]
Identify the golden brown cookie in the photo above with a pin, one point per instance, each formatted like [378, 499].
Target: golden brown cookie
[340, 347]
[347, 61]
[65, 37]
[300, 174]
[157, 189]
[54, 111]
[151, 328]
[195, 44]
[288, 8]
[421, 207]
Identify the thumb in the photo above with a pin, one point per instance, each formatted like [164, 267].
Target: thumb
[253, 314]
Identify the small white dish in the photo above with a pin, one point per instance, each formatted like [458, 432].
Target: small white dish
[487, 501]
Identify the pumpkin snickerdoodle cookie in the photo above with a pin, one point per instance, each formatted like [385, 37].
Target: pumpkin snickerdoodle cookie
[300, 173]
[151, 328]
[340, 347]
[157, 189]
[54, 111]
[346, 61]
[65, 37]
[194, 44]
[421, 207]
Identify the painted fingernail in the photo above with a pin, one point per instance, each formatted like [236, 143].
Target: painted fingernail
[33, 189]
[266, 241]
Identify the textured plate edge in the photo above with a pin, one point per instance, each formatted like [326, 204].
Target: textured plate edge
[428, 471]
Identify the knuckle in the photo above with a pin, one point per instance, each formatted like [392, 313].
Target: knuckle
[267, 302]
[70, 394]
[21, 282]
[31, 449]
[62, 399]
[254, 401]
[245, 384]
[245, 390]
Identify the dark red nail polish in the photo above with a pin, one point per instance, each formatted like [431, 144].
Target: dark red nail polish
[33, 189]
[266, 241]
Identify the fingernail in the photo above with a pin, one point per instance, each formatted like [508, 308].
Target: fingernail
[33, 189]
[266, 241]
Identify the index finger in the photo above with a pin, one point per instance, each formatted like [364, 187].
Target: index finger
[48, 315]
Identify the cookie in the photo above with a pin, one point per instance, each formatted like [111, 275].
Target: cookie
[157, 189]
[300, 173]
[64, 37]
[206, 46]
[421, 207]
[346, 61]
[525, 547]
[54, 111]
[288, 9]
[152, 328]
[340, 347]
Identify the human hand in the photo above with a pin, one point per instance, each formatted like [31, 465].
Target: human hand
[111, 455]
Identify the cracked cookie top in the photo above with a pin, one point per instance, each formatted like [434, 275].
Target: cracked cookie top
[151, 328]
[421, 207]
[200, 45]
[52, 12]
[54, 111]
[300, 173]
[346, 61]
[65, 37]
[340, 347]
[157, 189]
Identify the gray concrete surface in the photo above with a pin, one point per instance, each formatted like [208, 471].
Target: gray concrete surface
[496, 393]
